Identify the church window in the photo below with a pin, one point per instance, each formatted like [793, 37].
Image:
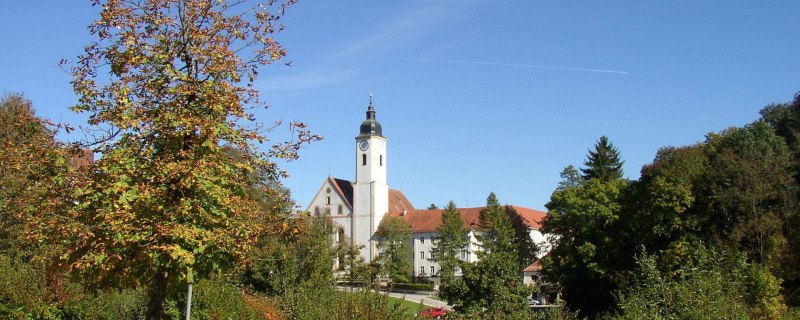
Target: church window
[381, 160]
[340, 210]
[363, 159]
[433, 270]
[422, 254]
[328, 201]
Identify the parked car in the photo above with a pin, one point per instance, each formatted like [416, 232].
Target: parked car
[432, 313]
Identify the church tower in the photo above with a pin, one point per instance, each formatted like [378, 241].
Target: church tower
[371, 194]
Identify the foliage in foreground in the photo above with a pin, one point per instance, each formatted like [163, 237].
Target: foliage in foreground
[312, 304]
[712, 286]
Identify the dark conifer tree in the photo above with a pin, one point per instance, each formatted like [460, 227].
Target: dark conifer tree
[603, 163]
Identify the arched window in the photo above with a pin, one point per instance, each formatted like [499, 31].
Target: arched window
[364, 159]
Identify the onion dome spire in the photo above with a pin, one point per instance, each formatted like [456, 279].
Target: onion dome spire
[370, 126]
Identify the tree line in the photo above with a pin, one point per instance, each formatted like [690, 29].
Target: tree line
[723, 210]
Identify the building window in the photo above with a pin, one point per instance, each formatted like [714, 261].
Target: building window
[433, 255]
[463, 254]
[421, 255]
[340, 210]
[363, 159]
[381, 161]
[316, 211]
[433, 270]
[421, 270]
[328, 190]
[422, 240]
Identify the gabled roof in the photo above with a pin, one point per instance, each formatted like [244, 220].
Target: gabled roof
[429, 220]
[344, 188]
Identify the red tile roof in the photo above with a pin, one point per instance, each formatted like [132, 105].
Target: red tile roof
[429, 220]
[398, 201]
[534, 267]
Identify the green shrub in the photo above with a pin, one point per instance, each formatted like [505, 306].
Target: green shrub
[412, 286]
[325, 303]
[710, 288]
[215, 299]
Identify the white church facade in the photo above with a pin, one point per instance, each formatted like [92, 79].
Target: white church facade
[357, 207]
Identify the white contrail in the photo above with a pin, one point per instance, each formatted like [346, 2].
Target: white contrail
[489, 63]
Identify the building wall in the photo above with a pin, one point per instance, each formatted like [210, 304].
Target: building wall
[422, 245]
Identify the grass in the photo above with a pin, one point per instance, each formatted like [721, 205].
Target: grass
[411, 308]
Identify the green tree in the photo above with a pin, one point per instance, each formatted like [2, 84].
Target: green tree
[394, 245]
[588, 243]
[706, 287]
[166, 204]
[603, 162]
[753, 188]
[493, 287]
[452, 239]
[301, 258]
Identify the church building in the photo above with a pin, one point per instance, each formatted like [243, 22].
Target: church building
[357, 207]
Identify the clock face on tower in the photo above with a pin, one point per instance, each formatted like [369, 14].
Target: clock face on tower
[363, 145]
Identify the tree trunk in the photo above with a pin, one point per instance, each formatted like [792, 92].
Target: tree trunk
[158, 293]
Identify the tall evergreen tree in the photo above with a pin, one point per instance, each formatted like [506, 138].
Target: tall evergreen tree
[452, 239]
[603, 163]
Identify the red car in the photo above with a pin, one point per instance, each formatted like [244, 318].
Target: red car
[432, 313]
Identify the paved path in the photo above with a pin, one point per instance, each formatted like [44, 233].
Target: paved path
[420, 298]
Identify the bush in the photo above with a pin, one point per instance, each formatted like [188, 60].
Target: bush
[412, 286]
[709, 288]
[325, 303]
[215, 299]
[27, 292]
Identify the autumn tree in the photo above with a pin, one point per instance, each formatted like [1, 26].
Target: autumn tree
[603, 162]
[395, 247]
[452, 239]
[167, 84]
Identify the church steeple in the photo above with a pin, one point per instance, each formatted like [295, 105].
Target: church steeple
[370, 126]
[371, 191]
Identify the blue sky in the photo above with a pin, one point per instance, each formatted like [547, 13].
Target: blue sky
[477, 96]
